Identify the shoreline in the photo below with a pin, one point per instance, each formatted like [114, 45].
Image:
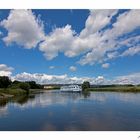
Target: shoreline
[116, 89]
[10, 93]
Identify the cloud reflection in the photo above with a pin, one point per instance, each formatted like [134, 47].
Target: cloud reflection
[3, 111]
[48, 98]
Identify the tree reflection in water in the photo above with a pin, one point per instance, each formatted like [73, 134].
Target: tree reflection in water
[53, 110]
[86, 94]
[18, 99]
[3, 102]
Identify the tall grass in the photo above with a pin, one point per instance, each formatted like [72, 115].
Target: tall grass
[11, 91]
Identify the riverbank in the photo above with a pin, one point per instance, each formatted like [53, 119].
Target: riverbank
[8, 92]
[117, 89]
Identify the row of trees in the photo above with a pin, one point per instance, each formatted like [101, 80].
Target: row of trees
[5, 82]
[31, 84]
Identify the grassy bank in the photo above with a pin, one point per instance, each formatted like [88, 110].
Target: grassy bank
[8, 92]
[117, 89]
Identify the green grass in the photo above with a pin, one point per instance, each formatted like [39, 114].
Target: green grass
[14, 92]
[117, 89]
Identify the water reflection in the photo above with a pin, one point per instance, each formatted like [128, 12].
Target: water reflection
[86, 94]
[53, 110]
[3, 102]
[49, 98]
[3, 107]
[46, 98]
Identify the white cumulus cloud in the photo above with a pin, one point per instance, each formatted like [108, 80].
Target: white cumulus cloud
[109, 44]
[5, 70]
[92, 43]
[59, 40]
[50, 79]
[131, 51]
[133, 78]
[43, 78]
[24, 28]
[96, 43]
[66, 40]
[96, 21]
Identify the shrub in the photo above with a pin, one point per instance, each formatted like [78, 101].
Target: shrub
[34, 85]
[85, 85]
[5, 81]
[24, 86]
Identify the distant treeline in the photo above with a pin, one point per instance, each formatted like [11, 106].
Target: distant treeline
[5, 82]
[113, 85]
[94, 86]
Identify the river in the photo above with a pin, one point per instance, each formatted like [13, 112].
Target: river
[56, 111]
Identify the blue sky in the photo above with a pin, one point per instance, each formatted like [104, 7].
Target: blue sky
[101, 46]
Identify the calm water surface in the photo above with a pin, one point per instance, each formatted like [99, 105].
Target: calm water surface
[52, 110]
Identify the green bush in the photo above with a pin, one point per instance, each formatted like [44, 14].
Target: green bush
[24, 86]
[85, 85]
[34, 85]
[4, 81]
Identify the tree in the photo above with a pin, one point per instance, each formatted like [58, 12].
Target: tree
[24, 86]
[5, 81]
[85, 85]
[34, 85]
[16, 82]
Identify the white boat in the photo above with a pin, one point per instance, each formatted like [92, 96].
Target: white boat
[71, 88]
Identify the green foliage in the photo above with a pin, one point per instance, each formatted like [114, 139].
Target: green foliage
[15, 88]
[16, 82]
[85, 85]
[33, 85]
[4, 81]
[25, 86]
[14, 92]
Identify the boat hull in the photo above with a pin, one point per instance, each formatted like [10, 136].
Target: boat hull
[71, 90]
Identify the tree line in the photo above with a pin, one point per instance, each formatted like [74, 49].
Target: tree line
[5, 82]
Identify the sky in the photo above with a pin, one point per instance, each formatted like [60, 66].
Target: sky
[70, 46]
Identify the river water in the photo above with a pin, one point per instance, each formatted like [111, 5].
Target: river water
[56, 111]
